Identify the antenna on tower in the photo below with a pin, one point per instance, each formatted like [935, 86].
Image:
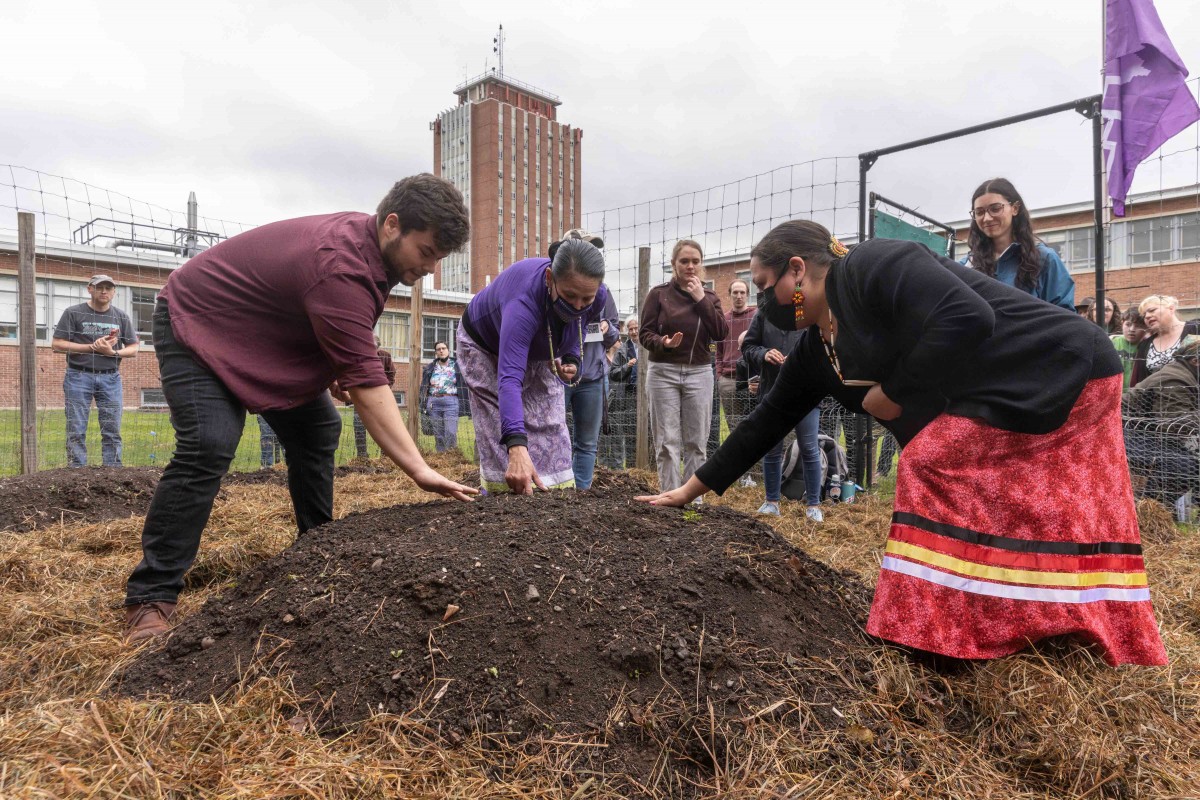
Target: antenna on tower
[498, 48]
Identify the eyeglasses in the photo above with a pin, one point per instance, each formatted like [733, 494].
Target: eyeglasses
[994, 209]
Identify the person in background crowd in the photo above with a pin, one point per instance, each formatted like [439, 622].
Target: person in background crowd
[269, 448]
[1166, 334]
[680, 321]
[1162, 416]
[1003, 246]
[442, 393]
[360, 431]
[519, 345]
[586, 401]
[1083, 306]
[96, 336]
[991, 392]
[1133, 331]
[1112, 313]
[737, 322]
[765, 349]
[621, 442]
[303, 297]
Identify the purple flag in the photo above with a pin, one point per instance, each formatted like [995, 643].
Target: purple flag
[1146, 100]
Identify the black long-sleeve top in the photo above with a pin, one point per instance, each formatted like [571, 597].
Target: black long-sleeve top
[939, 338]
[761, 338]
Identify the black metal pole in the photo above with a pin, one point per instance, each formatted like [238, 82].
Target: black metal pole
[862, 423]
[1082, 105]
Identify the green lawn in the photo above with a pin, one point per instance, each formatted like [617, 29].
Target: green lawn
[148, 440]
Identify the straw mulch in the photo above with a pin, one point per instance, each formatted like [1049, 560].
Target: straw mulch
[1052, 722]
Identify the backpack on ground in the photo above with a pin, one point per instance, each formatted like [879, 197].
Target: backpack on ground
[833, 462]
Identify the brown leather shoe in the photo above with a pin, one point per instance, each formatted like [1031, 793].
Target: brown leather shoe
[147, 620]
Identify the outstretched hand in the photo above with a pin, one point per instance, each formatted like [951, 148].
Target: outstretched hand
[675, 497]
[433, 481]
[671, 342]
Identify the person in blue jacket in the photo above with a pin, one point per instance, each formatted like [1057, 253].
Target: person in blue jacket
[1003, 246]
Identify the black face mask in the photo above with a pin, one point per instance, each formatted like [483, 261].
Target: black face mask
[442, 359]
[782, 316]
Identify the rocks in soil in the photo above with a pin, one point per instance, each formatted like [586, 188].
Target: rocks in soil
[637, 611]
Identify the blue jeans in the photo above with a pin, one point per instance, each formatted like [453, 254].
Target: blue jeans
[586, 404]
[208, 422]
[443, 412]
[80, 388]
[810, 459]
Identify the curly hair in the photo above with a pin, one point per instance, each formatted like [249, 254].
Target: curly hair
[425, 201]
[983, 255]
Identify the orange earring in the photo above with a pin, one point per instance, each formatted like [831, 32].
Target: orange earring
[798, 302]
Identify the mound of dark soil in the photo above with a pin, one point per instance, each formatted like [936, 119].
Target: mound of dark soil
[560, 612]
[279, 476]
[84, 495]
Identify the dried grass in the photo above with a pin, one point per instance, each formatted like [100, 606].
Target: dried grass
[1052, 722]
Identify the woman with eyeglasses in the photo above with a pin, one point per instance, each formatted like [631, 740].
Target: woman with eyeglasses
[519, 348]
[1003, 246]
[1001, 534]
[680, 323]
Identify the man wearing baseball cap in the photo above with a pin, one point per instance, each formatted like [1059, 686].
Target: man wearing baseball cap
[96, 336]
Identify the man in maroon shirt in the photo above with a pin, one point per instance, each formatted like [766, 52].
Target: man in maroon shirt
[737, 319]
[272, 321]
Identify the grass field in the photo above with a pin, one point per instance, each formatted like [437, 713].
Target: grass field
[148, 440]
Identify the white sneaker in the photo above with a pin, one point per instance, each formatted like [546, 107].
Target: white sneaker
[814, 514]
[769, 508]
[747, 482]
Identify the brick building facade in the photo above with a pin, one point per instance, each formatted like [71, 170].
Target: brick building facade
[519, 169]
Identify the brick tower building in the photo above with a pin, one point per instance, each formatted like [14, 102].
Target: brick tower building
[518, 168]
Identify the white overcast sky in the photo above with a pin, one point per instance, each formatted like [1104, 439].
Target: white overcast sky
[269, 110]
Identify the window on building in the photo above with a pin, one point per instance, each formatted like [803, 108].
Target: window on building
[392, 330]
[1149, 240]
[434, 330]
[153, 398]
[1189, 235]
[141, 310]
[9, 314]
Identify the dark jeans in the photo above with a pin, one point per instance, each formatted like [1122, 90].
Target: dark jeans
[208, 423]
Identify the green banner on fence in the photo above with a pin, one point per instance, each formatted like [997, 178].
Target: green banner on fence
[889, 227]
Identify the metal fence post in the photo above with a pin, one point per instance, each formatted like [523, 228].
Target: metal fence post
[643, 407]
[415, 331]
[27, 320]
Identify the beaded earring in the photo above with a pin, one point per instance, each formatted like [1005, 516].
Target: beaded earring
[798, 302]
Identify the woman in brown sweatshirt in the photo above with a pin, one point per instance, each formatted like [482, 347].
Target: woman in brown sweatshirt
[681, 320]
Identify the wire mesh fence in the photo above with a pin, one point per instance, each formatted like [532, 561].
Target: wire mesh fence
[83, 230]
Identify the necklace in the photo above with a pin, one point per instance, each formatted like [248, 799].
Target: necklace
[553, 363]
[830, 352]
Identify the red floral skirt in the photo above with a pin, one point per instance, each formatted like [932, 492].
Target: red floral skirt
[1000, 539]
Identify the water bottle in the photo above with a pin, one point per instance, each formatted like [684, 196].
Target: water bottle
[835, 487]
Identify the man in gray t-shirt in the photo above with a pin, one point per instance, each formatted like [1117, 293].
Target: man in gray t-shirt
[95, 336]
